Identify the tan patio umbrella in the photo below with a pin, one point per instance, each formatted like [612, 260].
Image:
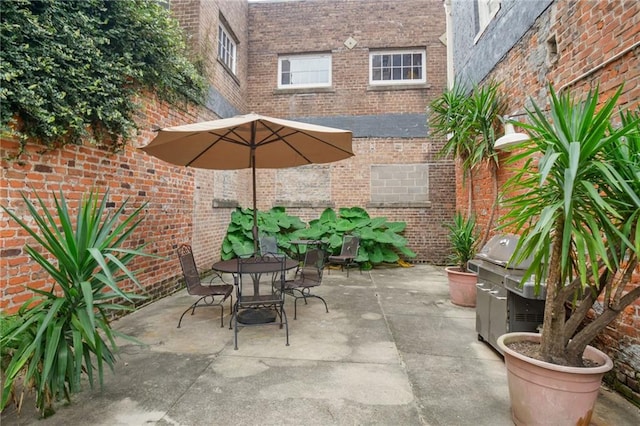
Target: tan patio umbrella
[250, 141]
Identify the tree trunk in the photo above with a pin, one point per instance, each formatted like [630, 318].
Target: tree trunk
[552, 347]
[494, 204]
[469, 193]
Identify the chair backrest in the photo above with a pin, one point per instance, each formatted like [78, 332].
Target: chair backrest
[268, 245]
[313, 266]
[189, 268]
[350, 245]
[255, 275]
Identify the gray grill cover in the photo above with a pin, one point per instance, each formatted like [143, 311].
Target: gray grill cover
[499, 249]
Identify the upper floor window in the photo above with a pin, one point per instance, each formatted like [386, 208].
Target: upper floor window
[397, 67]
[226, 48]
[485, 11]
[296, 71]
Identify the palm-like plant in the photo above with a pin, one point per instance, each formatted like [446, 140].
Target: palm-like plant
[64, 331]
[464, 240]
[469, 120]
[578, 213]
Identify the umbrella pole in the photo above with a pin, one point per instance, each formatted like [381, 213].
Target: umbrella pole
[255, 210]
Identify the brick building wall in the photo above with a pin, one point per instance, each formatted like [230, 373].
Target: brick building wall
[74, 170]
[193, 206]
[598, 43]
[388, 122]
[183, 204]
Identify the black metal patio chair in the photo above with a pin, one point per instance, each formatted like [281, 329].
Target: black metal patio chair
[208, 294]
[307, 277]
[348, 253]
[260, 301]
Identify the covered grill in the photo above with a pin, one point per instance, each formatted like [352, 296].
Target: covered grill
[504, 305]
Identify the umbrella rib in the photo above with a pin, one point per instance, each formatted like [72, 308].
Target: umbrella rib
[220, 138]
[282, 138]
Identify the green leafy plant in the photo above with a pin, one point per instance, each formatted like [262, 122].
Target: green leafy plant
[380, 240]
[464, 240]
[63, 332]
[470, 119]
[71, 70]
[276, 222]
[578, 214]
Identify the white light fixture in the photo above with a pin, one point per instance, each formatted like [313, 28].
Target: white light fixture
[510, 138]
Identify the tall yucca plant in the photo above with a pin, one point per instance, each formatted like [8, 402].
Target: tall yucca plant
[469, 120]
[578, 213]
[64, 331]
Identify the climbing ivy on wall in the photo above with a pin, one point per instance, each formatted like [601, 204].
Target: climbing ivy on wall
[70, 70]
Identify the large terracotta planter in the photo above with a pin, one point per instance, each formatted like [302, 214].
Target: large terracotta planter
[462, 287]
[548, 394]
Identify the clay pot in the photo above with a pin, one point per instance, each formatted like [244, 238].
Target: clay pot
[542, 393]
[462, 287]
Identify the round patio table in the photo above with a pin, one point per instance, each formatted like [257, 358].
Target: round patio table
[254, 316]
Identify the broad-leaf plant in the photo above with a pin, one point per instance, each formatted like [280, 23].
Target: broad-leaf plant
[380, 240]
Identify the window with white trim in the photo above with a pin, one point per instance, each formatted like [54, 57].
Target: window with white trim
[226, 48]
[397, 67]
[299, 71]
[485, 11]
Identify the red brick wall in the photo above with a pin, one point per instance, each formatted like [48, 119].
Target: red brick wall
[171, 194]
[588, 34]
[323, 26]
[200, 18]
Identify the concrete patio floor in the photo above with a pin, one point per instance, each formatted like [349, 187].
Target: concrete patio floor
[391, 351]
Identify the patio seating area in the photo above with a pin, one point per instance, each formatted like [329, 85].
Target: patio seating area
[392, 350]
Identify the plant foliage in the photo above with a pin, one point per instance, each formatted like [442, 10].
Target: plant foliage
[380, 240]
[578, 213]
[70, 70]
[464, 240]
[64, 332]
[276, 222]
[469, 119]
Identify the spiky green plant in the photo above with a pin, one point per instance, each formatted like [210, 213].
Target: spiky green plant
[469, 119]
[464, 240]
[63, 332]
[578, 214]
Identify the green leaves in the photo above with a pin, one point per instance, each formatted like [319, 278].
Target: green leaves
[60, 333]
[463, 237]
[380, 240]
[468, 119]
[69, 66]
[578, 183]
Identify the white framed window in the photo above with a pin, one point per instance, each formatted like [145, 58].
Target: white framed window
[486, 10]
[397, 67]
[227, 48]
[296, 71]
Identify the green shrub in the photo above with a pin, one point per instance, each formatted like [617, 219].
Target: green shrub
[276, 222]
[63, 332]
[380, 240]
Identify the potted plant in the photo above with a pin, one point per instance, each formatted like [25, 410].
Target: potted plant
[64, 332]
[464, 243]
[470, 119]
[578, 215]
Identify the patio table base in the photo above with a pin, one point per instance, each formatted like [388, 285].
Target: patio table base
[256, 316]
